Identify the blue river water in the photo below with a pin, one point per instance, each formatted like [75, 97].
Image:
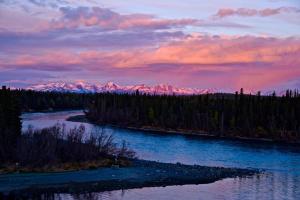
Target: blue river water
[281, 163]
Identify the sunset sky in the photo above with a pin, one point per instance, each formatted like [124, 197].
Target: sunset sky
[217, 44]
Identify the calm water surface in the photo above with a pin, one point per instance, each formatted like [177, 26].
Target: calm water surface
[281, 179]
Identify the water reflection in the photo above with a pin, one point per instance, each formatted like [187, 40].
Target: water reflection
[265, 186]
[281, 179]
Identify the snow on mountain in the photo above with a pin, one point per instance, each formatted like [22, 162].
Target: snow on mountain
[82, 87]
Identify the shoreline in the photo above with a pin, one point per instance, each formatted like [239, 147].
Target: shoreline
[140, 174]
[202, 134]
[7, 169]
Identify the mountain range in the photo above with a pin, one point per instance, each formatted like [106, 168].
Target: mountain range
[83, 87]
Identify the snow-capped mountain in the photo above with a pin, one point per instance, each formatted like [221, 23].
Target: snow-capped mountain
[82, 87]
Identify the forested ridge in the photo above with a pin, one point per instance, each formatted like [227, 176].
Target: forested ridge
[31, 101]
[231, 115]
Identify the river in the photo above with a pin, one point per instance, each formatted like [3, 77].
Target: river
[281, 164]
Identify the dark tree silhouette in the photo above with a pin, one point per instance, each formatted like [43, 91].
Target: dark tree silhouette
[10, 124]
[231, 115]
[47, 101]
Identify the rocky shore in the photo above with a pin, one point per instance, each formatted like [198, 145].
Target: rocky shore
[140, 174]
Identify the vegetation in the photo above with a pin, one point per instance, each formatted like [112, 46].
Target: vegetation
[224, 115]
[56, 145]
[10, 124]
[47, 101]
[228, 115]
[59, 149]
[54, 148]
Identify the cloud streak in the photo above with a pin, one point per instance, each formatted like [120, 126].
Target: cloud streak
[106, 19]
[95, 27]
[110, 20]
[248, 12]
[12, 42]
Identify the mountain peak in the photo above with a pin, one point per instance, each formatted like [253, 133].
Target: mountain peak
[83, 87]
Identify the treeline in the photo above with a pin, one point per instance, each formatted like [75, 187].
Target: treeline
[231, 115]
[47, 101]
[10, 124]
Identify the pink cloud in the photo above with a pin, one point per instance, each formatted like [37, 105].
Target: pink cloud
[250, 62]
[247, 12]
[55, 57]
[217, 51]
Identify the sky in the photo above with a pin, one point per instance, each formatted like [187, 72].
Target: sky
[224, 45]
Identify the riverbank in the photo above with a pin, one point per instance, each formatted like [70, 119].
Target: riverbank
[140, 174]
[203, 134]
